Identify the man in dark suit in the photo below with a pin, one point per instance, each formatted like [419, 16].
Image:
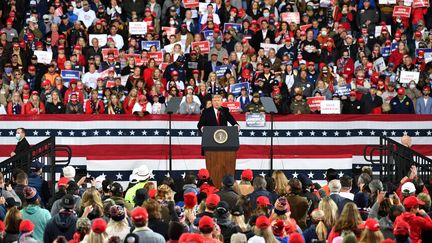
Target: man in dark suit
[262, 34]
[22, 146]
[371, 102]
[210, 66]
[216, 115]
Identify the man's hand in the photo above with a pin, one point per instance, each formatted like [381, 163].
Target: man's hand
[13, 154]
[81, 181]
[380, 196]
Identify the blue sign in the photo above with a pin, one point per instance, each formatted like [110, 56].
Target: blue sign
[220, 70]
[425, 50]
[68, 75]
[237, 27]
[343, 90]
[208, 34]
[385, 51]
[255, 120]
[235, 89]
[394, 46]
[147, 44]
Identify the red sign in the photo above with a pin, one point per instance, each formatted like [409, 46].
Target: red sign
[290, 17]
[163, 66]
[191, 3]
[203, 45]
[110, 84]
[305, 27]
[157, 56]
[105, 52]
[401, 11]
[232, 106]
[169, 30]
[420, 3]
[315, 102]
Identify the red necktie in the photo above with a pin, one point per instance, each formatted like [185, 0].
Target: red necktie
[218, 117]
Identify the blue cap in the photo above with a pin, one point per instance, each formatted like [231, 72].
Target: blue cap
[36, 165]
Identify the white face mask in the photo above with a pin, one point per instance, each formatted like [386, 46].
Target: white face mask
[412, 86]
[266, 15]
[18, 136]
[172, 22]
[323, 33]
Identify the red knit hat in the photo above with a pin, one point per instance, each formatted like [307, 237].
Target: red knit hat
[262, 222]
[205, 221]
[139, 214]
[99, 226]
[203, 174]
[190, 200]
[247, 175]
[212, 200]
[26, 226]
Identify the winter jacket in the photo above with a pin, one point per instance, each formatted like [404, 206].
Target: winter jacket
[416, 223]
[39, 217]
[55, 209]
[63, 224]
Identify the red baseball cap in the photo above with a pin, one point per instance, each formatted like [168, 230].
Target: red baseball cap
[77, 47]
[262, 222]
[39, 44]
[62, 36]
[174, 73]
[212, 200]
[411, 201]
[195, 71]
[247, 175]
[152, 192]
[139, 214]
[244, 40]
[9, 21]
[26, 87]
[398, 34]
[30, 36]
[246, 73]
[370, 224]
[427, 88]
[73, 81]
[234, 10]
[216, 29]
[63, 181]
[401, 91]
[26, 226]
[99, 226]
[47, 82]
[241, 12]
[35, 93]
[302, 33]
[206, 221]
[203, 174]
[418, 34]
[263, 201]
[353, 93]
[190, 199]
[401, 228]
[311, 63]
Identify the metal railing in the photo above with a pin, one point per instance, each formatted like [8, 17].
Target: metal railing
[394, 159]
[45, 152]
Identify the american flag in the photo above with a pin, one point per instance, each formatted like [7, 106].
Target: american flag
[114, 145]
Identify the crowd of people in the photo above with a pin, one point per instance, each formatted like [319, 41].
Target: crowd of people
[85, 56]
[252, 208]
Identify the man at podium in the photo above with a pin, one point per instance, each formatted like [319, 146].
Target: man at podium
[216, 115]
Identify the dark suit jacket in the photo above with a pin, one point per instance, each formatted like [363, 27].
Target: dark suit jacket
[208, 69]
[340, 201]
[258, 38]
[22, 146]
[208, 118]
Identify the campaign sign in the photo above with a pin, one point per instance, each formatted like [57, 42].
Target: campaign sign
[407, 76]
[157, 56]
[147, 44]
[237, 27]
[291, 17]
[220, 70]
[425, 50]
[202, 7]
[420, 3]
[208, 34]
[44, 57]
[203, 45]
[137, 28]
[379, 64]
[330, 107]
[342, 90]
[68, 75]
[315, 102]
[190, 3]
[102, 38]
[105, 73]
[305, 27]
[401, 11]
[232, 106]
[169, 30]
[378, 29]
[236, 88]
[255, 120]
[267, 47]
[385, 51]
[105, 52]
[170, 47]
[394, 46]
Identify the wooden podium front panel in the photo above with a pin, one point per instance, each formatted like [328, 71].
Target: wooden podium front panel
[219, 164]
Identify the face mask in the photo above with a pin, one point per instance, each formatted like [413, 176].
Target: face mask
[8, 70]
[412, 86]
[18, 136]
[266, 15]
[346, 57]
[323, 33]
[172, 22]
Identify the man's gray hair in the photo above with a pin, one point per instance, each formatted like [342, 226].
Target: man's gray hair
[335, 186]
[376, 185]
[259, 182]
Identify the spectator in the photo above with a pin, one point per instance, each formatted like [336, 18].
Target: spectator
[349, 220]
[55, 106]
[402, 104]
[227, 193]
[298, 202]
[118, 224]
[36, 181]
[74, 106]
[33, 212]
[22, 146]
[63, 223]
[140, 219]
[424, 103]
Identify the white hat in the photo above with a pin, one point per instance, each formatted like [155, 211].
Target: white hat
[256, 239]
[142, 173]
[69, 172]
[408, 187]
[31, 19]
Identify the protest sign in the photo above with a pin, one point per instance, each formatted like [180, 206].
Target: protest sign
[102, 39]
[191, 3]
[394, 46]
[137, 28]
[44, 57]
[255, 120]
[315, 102]
[169, 48]
[68, 75]
[208, 34]
[330, 107]
[105, 52]
[401, 11]
[291, 17]
[407, 76]
[203, 45]
[235, 89]
[232, 106]
[385, 51]
[267, 47]
[169, 30]
[220, 70]
[343, 90]
[379, 64]
[408, 3]
[420, 3]
[237, 27]
[147, 44]
[157, 56]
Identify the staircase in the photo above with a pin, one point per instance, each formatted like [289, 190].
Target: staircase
[390, 156]
[45, 152]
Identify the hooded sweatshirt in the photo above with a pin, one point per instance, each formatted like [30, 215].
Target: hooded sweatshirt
[64, 223]
[416, 223]
[39, 217]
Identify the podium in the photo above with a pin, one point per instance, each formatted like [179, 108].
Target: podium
[220, 145]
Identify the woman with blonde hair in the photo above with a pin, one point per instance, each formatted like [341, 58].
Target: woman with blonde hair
[34, 106]
[91, 204]
[281, 182]
[130, 101]
[262, 229]
[318, 230]
[330, 210]
[98, 232]
[238, 218]
[118, 224]
[15, 106]
[349, 220]
[213, 83]
[371, 232]
[114, 105]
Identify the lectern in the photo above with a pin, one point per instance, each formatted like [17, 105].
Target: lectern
[220, 145]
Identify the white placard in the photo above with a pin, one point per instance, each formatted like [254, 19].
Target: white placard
[170, 47]
[137, 28]
[203, 7]
[379, 64]
[102, 38]
[330, 107]
[407, 76]
[378, 30]
[268, 46]
[44, 57]
[384, 2]
[408, 3]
